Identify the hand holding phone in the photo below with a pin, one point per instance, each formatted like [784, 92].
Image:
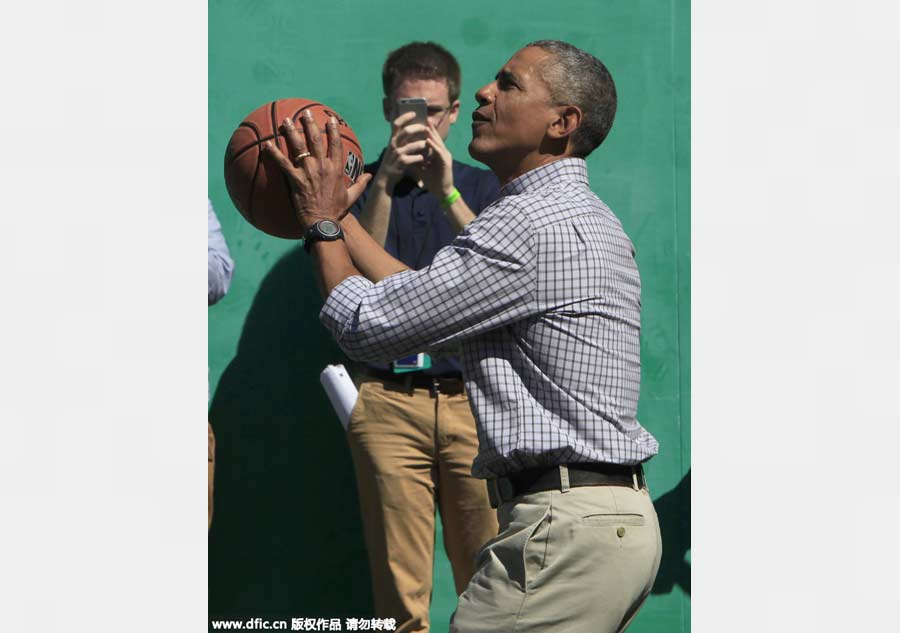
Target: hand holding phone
[405, 151]
[419, 106]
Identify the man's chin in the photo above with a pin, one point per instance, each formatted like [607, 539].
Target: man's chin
[477, 151]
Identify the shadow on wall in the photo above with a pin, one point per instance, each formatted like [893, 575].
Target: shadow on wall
[674, 511]
[286, 538]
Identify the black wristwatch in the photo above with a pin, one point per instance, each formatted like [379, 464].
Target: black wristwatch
[322, 231]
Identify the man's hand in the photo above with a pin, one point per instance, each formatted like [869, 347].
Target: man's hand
[316, 175]
[405, 149]
[437, 172]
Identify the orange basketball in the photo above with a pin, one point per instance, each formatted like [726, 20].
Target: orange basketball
[256, 184]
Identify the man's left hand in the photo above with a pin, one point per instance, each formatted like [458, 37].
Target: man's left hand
[316, 173]
[437, 172]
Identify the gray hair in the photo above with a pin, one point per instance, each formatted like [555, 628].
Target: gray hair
[575, 77]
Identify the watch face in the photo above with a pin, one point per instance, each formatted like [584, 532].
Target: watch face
[328, 228]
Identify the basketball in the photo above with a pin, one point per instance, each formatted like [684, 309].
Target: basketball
[256, 184]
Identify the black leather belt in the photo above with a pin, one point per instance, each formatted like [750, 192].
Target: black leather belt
[524, 482]
[447, 384]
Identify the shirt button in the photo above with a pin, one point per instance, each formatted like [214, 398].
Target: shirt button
[620, 532]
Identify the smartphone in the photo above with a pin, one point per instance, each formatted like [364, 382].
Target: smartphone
[412, 363]
[414, 104]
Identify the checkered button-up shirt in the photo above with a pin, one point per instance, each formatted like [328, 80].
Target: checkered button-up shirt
[542, 292]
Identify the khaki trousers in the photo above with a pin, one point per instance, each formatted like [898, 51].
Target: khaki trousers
[580, 561]
[211, 469]
[412, 449]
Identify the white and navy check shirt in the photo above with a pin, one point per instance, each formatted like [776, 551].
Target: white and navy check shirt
[542, 292]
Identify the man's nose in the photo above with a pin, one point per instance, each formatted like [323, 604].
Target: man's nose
[485, 95]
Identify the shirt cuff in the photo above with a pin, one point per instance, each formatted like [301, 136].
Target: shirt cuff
[341, 306]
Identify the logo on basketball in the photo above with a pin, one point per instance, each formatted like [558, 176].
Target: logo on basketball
[353, 167]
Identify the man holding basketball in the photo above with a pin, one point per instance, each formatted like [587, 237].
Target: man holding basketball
[543, 294]
[221, 270]
[412, 433]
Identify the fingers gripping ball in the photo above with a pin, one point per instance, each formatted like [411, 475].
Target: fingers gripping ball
[256, 185]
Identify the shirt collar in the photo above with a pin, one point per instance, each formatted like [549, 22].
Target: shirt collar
[565, 169]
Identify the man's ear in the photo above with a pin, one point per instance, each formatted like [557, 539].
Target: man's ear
[567, 121]
[454, 111]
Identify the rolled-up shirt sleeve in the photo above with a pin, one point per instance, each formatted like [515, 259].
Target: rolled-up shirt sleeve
[483, 280]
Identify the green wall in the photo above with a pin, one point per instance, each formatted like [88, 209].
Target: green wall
[286, 540]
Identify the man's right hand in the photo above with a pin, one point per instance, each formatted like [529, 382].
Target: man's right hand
[406, 148]
[316, 179]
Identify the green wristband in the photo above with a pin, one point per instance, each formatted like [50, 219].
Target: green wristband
[453, 197]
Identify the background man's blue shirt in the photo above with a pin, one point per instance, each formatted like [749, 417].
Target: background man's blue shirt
[419, 228]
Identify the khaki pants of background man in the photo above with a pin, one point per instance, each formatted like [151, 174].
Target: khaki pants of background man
[411, 448]
[579, 561]
[211, 459]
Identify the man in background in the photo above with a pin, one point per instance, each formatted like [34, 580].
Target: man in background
[412, 434]
[221, 269]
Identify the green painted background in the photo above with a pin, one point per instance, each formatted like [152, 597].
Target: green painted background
[286, 540]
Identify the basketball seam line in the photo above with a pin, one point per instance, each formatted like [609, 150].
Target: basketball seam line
[250, 215]
[260, 139]
[287, 182]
